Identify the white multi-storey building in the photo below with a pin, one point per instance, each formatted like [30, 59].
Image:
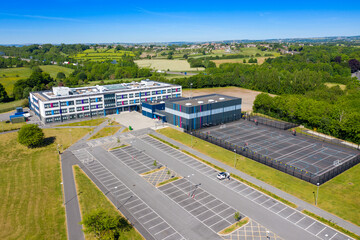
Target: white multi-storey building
[63, 103]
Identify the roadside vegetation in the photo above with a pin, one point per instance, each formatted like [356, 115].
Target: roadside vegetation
[31, 203]
[91, 123]
[347, 185]
[92, 199]
[235, 226]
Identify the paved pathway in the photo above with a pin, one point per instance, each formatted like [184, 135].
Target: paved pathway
[301, 204]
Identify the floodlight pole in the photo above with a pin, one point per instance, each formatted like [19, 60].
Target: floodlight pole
[191, 139]
[235, 158]
[191, 90]
[317, 194]
[189, 183]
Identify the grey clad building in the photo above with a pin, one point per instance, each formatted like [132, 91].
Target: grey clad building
[201, 111]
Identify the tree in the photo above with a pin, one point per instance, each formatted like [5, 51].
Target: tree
[237, 216]
[3, 94]
[185, 56]
[105, 226]
[31, 135]
[354, 65]
[60, 75]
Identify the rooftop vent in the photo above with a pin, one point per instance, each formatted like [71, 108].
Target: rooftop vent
[188, 104]
[221, 98]
[211, 100]
[200, 102]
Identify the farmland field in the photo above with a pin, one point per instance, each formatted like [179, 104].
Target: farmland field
[260, 60]
[31, 202]
[101, 54]
[54, 69]
[172, 65]
[9, 76]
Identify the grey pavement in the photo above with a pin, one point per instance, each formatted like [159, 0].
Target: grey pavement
[267, 218]
[183, 222]
[73, 217]
[300, 203]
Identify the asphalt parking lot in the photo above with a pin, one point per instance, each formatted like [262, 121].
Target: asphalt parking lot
[289, 214]
[156, 226]
[160, 176]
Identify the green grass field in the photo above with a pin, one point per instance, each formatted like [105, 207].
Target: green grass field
[101, 54]
[91, 198]
[92, 123]
[8, 77]
[31, 202]
[105, 132]
[10, 126]
[339, 196]
[54, 69]
[11, 106]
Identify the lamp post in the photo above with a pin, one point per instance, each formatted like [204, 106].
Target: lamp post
[191, 139]
[189, 182]
[317, 194]
[235, 158]
[191, 90]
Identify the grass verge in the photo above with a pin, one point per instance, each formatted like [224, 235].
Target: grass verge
[152, 171]
[10, 126]
[124, 145]
[105, 132]
[167, 181]
[91, 123]
[31, 202]
[92, 198]
[344, 204]
[235, 226]
[331, 224]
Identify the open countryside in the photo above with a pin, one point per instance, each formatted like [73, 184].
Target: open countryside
[133, 120]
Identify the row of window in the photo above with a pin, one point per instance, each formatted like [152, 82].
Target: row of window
[74, 116]
[99, 99]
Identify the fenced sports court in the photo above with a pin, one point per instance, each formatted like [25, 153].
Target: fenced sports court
[301, 156]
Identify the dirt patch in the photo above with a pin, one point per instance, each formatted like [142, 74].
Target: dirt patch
[248, 96]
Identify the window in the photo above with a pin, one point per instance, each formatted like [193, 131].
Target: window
[137, 100]
[63, 104]
[71, 109]
[73, 116]
[47, 113]
[101, 112]
[82, 101]
[57, 119]
[48, 120]
[56, 111]
[92, 100]
[87, 114]
[78, 109]
[64, 118]
[169, 91]
[173, 90]
[153, 93]
[47, 105]
[64, 110]
[69, 103]
[93, 113]
[137, 94]
[80, 115]
[54, 104]
[131, 95]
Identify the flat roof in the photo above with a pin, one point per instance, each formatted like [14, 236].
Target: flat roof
[202, 100]
[66, 92]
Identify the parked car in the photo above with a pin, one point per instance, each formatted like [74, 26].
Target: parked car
[223, 175]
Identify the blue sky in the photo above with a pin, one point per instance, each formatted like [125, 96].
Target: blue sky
[76, 21]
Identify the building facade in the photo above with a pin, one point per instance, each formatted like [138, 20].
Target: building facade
[201, 111]
[64, 104]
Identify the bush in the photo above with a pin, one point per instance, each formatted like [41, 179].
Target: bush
[31, 135]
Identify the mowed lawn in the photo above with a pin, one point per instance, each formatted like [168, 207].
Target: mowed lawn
[339, 196]
[105, 132]
[91, 198]
[31, 202]
[8, 77]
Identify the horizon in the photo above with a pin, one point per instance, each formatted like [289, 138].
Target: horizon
[94, 22]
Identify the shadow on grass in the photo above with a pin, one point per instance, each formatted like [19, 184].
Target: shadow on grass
[47, 141]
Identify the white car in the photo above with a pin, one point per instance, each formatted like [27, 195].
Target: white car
[223, 175]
